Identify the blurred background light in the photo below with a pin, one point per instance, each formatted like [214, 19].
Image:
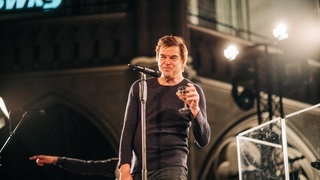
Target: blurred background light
[280, 32]
[231, 52]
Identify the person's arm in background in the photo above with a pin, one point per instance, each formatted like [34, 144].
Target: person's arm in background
[85, 167]
[41, 160]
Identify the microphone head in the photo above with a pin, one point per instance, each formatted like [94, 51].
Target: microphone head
[145, 70]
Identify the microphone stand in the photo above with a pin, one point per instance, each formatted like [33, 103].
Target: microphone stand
[12, 134]
[143, 100]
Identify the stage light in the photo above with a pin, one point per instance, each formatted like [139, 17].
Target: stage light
[280, 32]
[3, 113]
[231, 52]
[244, 99]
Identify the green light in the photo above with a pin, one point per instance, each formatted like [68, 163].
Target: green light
[9, 5]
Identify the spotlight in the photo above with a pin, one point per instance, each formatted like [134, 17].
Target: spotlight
[280, 32]
[231, 52]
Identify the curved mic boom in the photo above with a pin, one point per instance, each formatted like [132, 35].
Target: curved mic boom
[145, 70]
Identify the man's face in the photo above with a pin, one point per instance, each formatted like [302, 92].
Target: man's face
[170, 62]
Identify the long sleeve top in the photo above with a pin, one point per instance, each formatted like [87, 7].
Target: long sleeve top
[167, 130]
[89, 167]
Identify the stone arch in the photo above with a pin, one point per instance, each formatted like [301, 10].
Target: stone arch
[80, 106]
[68, 128]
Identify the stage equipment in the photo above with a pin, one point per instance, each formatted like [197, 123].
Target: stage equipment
[278, 149]
[245, 98]
[261, 57]
[24, 116]
[231, 52]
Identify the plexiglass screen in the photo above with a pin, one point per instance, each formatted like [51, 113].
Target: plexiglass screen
[286, 148]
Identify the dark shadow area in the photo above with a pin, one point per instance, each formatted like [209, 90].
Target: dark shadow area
[60, 131]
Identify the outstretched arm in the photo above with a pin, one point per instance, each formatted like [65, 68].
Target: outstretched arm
[85, 167]
[41, 160]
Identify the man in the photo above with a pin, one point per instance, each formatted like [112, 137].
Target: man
[167, 130]
[85, 167]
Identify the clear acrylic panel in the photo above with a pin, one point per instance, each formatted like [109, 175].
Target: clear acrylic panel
[281, 148]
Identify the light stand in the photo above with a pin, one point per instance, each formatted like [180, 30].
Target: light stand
[271, 107]
[143, 101]
[257, 90]
[279, 33]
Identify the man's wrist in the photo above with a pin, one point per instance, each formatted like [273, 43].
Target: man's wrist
[195, 112]
[58, 160]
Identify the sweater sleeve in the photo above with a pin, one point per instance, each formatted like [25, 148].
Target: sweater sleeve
[129, 125]
[89, 167]
[200, 126]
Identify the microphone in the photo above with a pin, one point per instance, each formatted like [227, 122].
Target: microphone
[145, 70]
